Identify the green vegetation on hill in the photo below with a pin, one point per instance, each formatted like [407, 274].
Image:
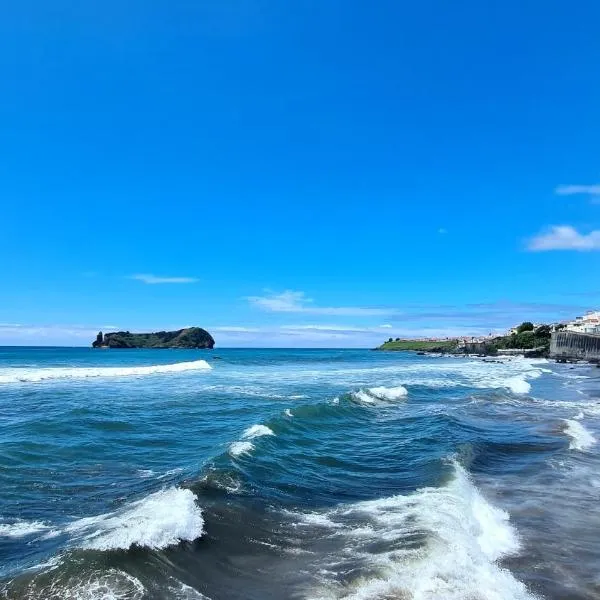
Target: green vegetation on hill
[420, 345]
[192, 337]
[527, 338]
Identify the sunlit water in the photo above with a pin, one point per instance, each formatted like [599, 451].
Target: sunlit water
[254, 474]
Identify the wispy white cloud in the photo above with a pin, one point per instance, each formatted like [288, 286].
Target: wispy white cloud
[335, 336]
[33, 335]
[573, 190]
[565, 237]
[154, 279]
[386, 326]
[298, 302]
[235, 329]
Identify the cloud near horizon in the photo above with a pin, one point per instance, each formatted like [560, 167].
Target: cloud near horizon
[291, 301]
[565, 237]
[579, 190]
[153, 279]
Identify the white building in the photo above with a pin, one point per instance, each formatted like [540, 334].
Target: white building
[588, 323]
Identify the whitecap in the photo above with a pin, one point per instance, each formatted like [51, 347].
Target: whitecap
[257, 431]
[389, 393]
[518, 385]
[170, 472]
[145, 473]
[159, 520]
[363, 396]
[581, 438]
[462, 538]
[20, 528]
[54, 373]
[238, 448]
[181, 591]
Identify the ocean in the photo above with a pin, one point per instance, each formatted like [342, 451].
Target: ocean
[302, 474]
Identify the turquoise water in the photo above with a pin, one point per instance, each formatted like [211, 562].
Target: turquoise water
[258, 474]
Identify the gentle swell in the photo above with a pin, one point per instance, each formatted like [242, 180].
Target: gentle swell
[51, 373]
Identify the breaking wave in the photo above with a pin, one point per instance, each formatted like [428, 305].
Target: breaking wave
[51, 373]
[372, 395]
[21, 529]
[581, 438]
[161, 519]
[244, 446]
[435, 543]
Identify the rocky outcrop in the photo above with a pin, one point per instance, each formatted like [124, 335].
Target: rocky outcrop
[192, 337]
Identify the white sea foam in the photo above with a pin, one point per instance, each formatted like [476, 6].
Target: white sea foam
[518, 385]
[170, 472]
[239, 448]
[462, 536]
[244, 446]
[363, 396]
[257, 431]
[112, 584]
[145, 473]
[159, 520]
[181, 591]
[288, 413]
[389, 393]
[375, 395]
[20, 529]
[581, 438]
[52, 373]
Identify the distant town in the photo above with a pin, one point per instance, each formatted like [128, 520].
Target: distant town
[587, 323]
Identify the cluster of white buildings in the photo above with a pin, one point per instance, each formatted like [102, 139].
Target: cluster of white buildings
[588, 323]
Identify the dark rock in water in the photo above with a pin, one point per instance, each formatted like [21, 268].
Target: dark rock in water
[192, 337]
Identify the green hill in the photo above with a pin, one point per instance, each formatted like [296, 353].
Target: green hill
[420, 345]
[192, 337]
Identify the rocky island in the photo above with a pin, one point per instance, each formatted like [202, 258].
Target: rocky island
[191, 337]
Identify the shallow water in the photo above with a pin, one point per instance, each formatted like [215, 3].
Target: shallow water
[333, 474]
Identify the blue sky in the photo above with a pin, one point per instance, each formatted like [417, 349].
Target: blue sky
[315, 173]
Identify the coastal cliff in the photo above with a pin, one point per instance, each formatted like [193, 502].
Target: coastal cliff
[192, 337]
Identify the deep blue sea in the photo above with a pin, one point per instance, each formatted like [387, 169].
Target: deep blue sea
[302, 474]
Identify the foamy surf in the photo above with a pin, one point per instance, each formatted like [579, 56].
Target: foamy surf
[53, 373]
[161, 519]
[581, 438]
[21, 529]
[375, 395]
[518, 385]
[435, 543]
[109, 584]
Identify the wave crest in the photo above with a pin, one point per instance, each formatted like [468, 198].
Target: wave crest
[435, 543]
[162, 519]
[581, 438]
[52, 373]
